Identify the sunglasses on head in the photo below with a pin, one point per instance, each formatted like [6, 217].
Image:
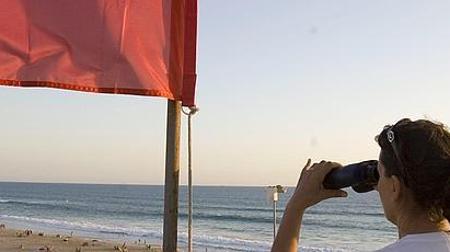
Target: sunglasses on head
[393, 141]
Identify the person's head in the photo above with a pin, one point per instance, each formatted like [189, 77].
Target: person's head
[414, 166]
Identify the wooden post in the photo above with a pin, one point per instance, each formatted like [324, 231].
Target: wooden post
[172, 176]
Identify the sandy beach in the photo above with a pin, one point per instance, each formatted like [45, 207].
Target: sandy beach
[19, 240]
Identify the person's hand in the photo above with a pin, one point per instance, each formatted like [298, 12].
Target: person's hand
[310, 190]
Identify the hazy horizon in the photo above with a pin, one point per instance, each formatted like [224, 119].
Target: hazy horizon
[137, 184]
[277, 84]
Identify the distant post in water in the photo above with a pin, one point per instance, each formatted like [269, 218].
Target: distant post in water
[172, 176]
[272, 197]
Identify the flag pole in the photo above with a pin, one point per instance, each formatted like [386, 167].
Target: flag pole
[172, 176]
[192, 111]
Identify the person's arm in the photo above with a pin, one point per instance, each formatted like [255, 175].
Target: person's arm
[309, 191]
[289, 230]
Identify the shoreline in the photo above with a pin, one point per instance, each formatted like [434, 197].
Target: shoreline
[21, 240]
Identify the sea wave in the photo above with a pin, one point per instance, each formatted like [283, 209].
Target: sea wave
[262, 210]
[113, 231]
[200, 211]
[201, 214]
[28, 202]
[237, 244]
[77, 207]
[82, 226]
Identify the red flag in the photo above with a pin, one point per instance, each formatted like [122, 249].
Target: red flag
[142, 47]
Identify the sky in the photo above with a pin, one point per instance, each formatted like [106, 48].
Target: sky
[278, 82]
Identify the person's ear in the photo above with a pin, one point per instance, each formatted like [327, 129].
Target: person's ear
[396, 187]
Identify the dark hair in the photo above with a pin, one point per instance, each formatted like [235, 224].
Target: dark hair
[418, 152]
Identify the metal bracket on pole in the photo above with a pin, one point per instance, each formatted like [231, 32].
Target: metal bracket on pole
[272, 197]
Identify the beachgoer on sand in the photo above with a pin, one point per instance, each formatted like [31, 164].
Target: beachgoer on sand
[414, 188]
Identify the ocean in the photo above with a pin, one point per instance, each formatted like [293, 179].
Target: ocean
[225, 218]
